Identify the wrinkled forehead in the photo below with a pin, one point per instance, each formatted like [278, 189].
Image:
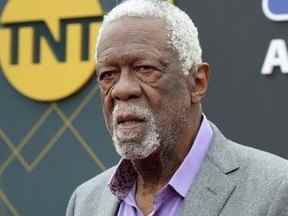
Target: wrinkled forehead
[134, 30]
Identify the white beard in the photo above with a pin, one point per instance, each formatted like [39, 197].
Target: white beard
[136, 147]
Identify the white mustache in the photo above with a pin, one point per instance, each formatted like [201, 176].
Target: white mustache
[140, 110]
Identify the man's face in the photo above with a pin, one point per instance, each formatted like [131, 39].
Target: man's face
[145, 94]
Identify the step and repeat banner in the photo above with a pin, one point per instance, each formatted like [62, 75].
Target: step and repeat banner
[52, 134]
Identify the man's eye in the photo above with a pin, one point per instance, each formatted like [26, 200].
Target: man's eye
[107, 75]
[147, 73]
[144, 69]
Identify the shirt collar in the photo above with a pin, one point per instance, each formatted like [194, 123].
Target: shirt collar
[184, 176]
[123, 179]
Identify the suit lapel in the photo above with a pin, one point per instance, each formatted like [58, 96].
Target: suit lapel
[213, 186]
[108, 204]
[209, 193]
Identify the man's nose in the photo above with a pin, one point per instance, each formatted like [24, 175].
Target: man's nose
[127, 87]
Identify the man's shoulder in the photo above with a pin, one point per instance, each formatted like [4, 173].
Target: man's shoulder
[97, 183]
[249, 159]
[85, 199]
[260, 163]
[261, 179]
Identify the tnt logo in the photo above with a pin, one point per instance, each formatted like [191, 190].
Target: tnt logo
[47, 46]
[276, 10]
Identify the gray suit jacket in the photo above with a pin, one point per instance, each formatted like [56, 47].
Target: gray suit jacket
[234, 180]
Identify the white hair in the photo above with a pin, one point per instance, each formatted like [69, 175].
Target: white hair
[183, 35]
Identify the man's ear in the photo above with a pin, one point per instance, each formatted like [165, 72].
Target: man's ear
[198, 81]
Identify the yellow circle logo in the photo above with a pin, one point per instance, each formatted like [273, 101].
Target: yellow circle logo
[47, 47]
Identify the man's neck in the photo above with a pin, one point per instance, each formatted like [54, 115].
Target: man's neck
[156, 170]
[153, 173]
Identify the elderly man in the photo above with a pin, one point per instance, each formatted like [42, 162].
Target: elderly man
[174, 161]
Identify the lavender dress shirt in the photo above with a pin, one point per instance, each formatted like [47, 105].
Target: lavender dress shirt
[169, 199]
